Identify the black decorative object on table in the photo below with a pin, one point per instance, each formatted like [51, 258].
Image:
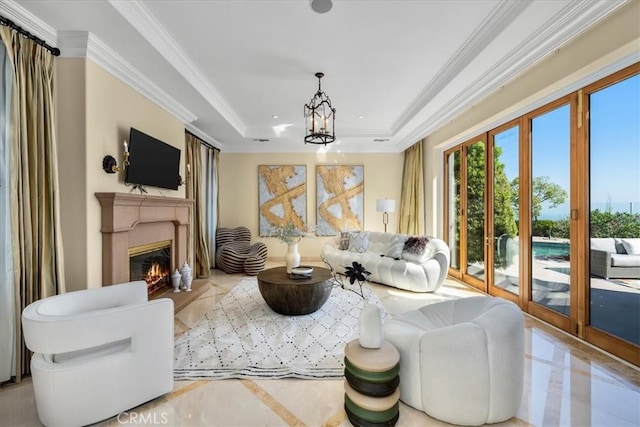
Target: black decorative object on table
[357, 272]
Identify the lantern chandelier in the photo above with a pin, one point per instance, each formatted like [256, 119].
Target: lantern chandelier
[319, 117]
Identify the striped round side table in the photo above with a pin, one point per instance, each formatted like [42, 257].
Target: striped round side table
[371, 385]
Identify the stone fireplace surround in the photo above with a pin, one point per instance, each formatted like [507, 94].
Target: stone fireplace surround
[130, 220]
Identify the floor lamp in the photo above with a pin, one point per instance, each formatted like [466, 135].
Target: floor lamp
[386, 206]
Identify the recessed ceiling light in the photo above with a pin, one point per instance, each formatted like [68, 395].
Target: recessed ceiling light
[381, 140]
[321, 6]
[261, 139]
[275, 116]
[361, 117]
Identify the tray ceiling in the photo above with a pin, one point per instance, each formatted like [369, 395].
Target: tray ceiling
[394, 70]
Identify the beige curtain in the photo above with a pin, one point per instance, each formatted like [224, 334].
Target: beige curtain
[195, 191]
[411, 219]
[35, 218]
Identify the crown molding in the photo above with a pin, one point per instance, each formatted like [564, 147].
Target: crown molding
[570, 22]
[82, 44]
[73, 44]
[141, 19]
[605, 70]
[203, 136]
[21, 16]
[483, 35]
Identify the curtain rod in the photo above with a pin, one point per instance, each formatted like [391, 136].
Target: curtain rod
[9, 23]
[203, 142]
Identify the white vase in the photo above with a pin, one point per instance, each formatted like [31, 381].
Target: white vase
[292, 258]
[175, 281]
[370, 326]
[185, 272]
[187, 283]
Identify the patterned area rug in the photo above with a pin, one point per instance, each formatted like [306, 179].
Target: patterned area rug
[241, 337]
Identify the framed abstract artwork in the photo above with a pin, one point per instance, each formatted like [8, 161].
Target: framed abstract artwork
[282, 196]
[339, 199]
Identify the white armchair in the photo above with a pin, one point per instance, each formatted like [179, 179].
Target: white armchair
[98, 352]
[461, 361]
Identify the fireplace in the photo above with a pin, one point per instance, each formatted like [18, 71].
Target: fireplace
[131, 221]
[151, 263]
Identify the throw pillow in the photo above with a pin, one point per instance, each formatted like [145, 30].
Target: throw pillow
[632, 246]
[414, 249]
[620, 249]
[416, 245]
[344, 241]
[358, 242]
[395, 250]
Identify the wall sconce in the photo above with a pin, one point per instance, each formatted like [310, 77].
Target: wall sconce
[180, 181]
[386, 206]
[110, 164]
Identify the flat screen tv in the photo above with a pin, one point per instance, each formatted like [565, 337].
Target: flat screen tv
[152, 162]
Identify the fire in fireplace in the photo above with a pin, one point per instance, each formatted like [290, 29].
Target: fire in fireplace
[151, 263]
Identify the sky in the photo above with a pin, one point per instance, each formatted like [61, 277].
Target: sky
[614, 150]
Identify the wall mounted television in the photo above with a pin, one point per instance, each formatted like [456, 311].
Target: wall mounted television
[152, 162]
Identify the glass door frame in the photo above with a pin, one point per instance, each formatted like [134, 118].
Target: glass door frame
[583, 329]
[559, 320]
[461, 274]
[453, 272]
[492, 289]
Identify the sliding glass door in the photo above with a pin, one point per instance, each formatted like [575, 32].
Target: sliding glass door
[454, 212]
[545, 211]
[465, 214]
[549, 188]
[474, 204]
[613, 136]
[503, 236]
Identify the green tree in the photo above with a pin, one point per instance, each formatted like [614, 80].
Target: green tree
[504, 214]
[504, 217]
[543, 191]
[475, 202]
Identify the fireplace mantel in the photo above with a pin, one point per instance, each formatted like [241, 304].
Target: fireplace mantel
[131, 220]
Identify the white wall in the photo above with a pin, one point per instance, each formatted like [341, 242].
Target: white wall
[95, 113]
[238, 193]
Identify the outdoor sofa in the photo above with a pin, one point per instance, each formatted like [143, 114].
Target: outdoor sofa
[615, 257]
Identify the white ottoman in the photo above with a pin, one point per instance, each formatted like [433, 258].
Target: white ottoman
[461, 361]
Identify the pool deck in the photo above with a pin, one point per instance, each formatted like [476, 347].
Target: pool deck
[614, 306]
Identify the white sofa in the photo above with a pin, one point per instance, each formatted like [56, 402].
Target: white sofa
[422, 273]
[615, 257]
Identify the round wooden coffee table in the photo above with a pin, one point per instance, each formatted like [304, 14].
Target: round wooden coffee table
[295, 296]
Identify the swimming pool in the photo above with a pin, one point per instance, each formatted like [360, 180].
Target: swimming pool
[550, 249]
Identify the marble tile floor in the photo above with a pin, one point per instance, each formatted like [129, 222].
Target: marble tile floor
[567, 383]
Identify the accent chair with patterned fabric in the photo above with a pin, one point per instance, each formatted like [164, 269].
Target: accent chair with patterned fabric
[236, 254]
